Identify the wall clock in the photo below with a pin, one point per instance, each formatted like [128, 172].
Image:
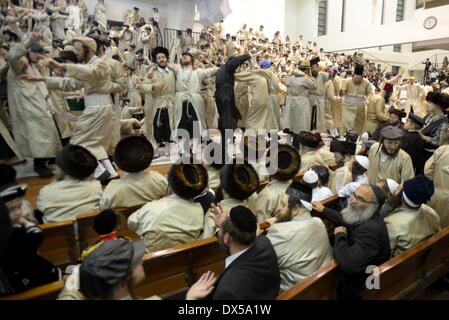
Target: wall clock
[430, 22]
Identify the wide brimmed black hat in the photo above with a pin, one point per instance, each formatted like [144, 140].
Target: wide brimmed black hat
[438, 98]
[342, 147]
[359, 69]
[239, 180]
[133, 154]
[309, 139]
[288, 160]
[158, 50]
[314, 60]
[187, 180]
[76, 161]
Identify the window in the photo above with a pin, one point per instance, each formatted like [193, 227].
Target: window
[343, 16]
[400, 11]
[397, 48]
[322, 17]
[419, 4]
[395, 69]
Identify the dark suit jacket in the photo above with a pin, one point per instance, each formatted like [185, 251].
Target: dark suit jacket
[254, 275]
[364, 245]
[413, 144]
[224, 92]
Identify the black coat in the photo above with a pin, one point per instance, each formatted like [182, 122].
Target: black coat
[413, 144]
[224, 93]
[254, 275]
[364, 245]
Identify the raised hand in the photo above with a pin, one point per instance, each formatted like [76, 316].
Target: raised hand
[202, 287]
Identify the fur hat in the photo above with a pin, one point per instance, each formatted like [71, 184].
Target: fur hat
[359, 70]
[438, 98]
[76, 161]
[133, 154]
[187, 180]
[254, 145]
[342, 147]
[401, 114]
[158, 50]
[239, 180]
[288, 160]
[309, 139]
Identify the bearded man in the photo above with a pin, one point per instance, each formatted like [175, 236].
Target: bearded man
[365, 244]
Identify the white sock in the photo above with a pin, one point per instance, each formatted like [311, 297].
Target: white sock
[166, 148]
[108, 166]
[99, 170]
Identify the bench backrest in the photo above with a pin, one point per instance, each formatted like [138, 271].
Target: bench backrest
[318, 286]
[59, 245]
[46, 292]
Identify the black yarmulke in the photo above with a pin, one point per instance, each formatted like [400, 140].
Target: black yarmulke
[105, 222]
[243, 219]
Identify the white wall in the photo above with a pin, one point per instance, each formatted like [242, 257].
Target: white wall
[269, 13]
[116, 8]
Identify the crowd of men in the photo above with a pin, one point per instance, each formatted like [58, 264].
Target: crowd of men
[70, 88]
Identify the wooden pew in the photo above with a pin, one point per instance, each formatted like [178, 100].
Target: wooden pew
[407, 275]
[319, 285]
[59, 245]
[46, 292]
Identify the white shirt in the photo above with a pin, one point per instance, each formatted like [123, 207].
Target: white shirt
[348, 190]
[321, 193]
[234, 256]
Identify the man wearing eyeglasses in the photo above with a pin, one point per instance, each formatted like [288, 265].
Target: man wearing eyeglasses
[361, 238]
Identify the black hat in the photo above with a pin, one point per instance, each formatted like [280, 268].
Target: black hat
[220, 156]
[351, 136]
[391, 133]
[140, 59]
[438, 98]
[133, 154]
[239, 180]
[243, 219]
[57, 40]
[13, 192]
[314, 60]
[136, 8]
[76, 161]
[188, 30]
[342, 147]
[36, 47]
[415, 119]
[418, 190]
[158, 50]
[105, 222]
[401, 114]
[139, 51]
[379, 194]
[187, 180]
[132, 45]
[107, 265]
[68, 55]
[309, 139]
[358, 70]
[7, 175]
[289, 162]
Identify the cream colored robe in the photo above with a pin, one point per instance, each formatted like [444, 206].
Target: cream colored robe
[376, 113]
[353, 116]
[155, 99]
[241, 101]
[310, 159]
[258, 114]
[34, 130]
[302, 246]
[336, 104]
[407, 227]
[134, 189]
[58, 23]
[94, 130]
[437, 169]
[269, 199]
[168, 222]
[100, 15]
[327, 156]
[316, 97]
[214, 177]
[297, 113]
[188, 87]
[59, 104]
[399, 168]
[339, 178]
[64, 200]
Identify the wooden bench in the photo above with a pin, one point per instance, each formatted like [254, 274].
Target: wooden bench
[59, 245]
[407, 275]
[46, 292]
[319, 285]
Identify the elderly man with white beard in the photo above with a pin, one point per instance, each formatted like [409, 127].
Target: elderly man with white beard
[361, 239]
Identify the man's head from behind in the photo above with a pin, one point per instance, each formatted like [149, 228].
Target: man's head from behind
[238, 230]
[365, 202]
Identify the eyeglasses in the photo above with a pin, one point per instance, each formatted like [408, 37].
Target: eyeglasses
[360, 199]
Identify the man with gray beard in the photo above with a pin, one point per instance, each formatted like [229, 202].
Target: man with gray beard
[361, 239]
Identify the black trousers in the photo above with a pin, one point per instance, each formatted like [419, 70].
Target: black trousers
[188, 118]
[161, 132]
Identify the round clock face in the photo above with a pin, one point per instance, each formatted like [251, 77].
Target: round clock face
[430, 22]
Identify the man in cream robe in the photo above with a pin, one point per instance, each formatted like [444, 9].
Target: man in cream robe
[75, 16]
[168, 222]
[376, 113]
[437, 169]
[316, 97]
[355, 90]
[34, 130]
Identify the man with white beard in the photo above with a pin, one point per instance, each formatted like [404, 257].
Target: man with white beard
[361, 238]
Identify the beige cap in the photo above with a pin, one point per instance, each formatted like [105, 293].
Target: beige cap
[88, 42]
